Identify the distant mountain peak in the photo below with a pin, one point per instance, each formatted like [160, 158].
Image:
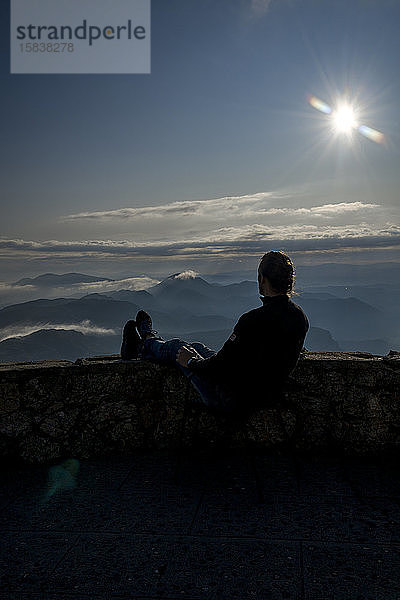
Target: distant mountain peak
[180, 282]
[184, 275]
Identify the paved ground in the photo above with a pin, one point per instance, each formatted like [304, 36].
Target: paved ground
[234, 525]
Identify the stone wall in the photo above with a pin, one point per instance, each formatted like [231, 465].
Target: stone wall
[341, 402]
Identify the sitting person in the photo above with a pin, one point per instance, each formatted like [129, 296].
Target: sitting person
[254, 363]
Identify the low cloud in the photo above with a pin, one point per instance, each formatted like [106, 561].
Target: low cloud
[12, 293]
[184, 208]
[102, 287]
[245, 207]
[9, 288]
[239, 240]
[85, 327]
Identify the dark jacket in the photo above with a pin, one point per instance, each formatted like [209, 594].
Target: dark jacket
[255, 362]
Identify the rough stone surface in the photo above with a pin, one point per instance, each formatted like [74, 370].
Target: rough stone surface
[345, 402]
[234, 524]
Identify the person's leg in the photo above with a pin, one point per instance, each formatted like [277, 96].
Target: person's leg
[155, 348]
[163, 351]
[213, 396]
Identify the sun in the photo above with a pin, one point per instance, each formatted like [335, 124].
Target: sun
[344, 119]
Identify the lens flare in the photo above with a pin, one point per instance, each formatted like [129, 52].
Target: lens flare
[320, 105]
[61, 477]
[372, 134]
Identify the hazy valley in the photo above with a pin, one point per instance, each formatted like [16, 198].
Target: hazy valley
[362, 316]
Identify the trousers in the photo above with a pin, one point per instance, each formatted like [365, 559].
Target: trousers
[209, 392]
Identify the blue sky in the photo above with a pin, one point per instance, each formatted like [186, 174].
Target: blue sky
[216, 156]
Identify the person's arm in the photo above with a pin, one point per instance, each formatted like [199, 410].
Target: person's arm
[233, 350]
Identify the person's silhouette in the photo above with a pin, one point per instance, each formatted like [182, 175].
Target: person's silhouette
[255, 362]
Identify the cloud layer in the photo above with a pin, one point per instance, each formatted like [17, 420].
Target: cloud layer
[249, 238]
[237, 207]
[85, 327]
[218, 228]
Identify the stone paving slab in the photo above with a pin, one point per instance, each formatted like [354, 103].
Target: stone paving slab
[299, 518]
[45, 595]
[233, 525]
[157, 469]
[26, 560]
[138, 565]
[235, 568]
[49, 596]
[141, 512]
[379, 477]
[225, 473]
[180, 566]
[277, 475]
[93, 476]
[322, 475]
[348, 571]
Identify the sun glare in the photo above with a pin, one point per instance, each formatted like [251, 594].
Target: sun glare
[344, 119]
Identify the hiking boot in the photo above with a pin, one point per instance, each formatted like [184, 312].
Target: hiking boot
[144, 325]
[131, 341]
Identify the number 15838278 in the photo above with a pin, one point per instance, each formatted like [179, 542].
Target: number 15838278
[47, 47]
